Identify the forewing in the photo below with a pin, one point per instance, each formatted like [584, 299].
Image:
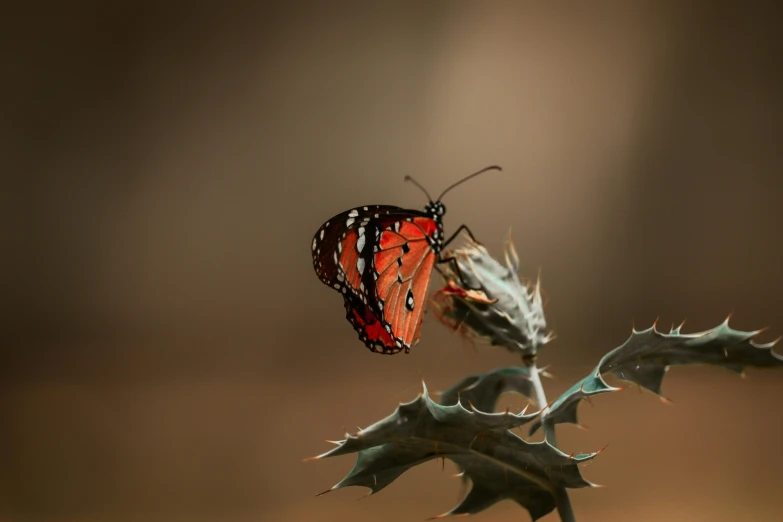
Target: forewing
[402, 265]
[335, 247]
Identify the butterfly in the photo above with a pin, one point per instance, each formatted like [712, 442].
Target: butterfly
[380, 257]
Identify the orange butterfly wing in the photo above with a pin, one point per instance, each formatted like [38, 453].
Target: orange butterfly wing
[380, 259]
[403, 265]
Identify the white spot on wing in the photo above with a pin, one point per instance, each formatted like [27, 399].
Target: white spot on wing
[314, 243]
[349, 221]
[322, 234]
[360, 242]
[360, 265]
[353, 213]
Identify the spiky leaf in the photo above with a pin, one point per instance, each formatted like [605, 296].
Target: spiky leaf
[499, 464]
[482, 390]
[646, 356]
[488, 300]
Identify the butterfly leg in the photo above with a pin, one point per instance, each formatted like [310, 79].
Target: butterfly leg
[452, 259]
[455, 234]
[455, 267]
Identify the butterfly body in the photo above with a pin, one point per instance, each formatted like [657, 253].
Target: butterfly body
[380, 258]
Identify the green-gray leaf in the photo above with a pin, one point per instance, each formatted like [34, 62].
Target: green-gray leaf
[482, 390]
[646, 356]
[499, 464]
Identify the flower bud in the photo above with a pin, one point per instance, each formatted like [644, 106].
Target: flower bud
[488, 301]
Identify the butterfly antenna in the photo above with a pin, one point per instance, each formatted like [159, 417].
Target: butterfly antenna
[408, 178]
[463, 180]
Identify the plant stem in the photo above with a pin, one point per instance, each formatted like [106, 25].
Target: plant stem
[562, 502]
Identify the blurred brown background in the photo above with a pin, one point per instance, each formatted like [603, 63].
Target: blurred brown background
[168, 353]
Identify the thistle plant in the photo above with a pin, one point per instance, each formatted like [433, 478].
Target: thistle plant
[487, 301]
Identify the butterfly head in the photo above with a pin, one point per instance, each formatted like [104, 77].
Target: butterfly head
[435, 209]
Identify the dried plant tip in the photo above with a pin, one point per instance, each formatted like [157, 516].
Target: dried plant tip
[489, 302]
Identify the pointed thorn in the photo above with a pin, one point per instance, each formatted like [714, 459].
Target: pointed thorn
[310, 459]
[335, 442]
[760, 331]
[655, 323]
[471, 405]
[582, 427]
[601, 450]
[666, 400]
[325, 492]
